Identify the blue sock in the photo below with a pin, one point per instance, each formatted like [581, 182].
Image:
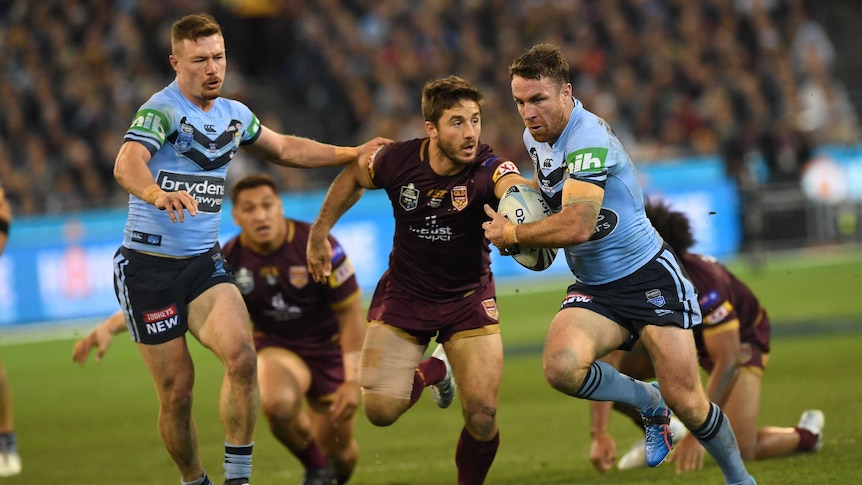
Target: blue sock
[237, 461]
[604, 383]
[8, 442]
[204, 480]
[717, 437]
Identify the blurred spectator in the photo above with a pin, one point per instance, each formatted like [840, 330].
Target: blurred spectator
[745, 78]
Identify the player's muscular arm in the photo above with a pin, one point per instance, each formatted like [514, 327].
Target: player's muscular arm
[509, 180]
[130, 170]
[344, 192]
[351, 324]
[574, 224]
[294, 151]
[722, 345]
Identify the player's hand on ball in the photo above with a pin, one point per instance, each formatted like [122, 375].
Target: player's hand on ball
[495, 230]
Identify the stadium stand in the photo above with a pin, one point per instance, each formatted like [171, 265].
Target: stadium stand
[674, 77]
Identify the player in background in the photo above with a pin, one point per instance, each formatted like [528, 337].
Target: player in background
[10, 461]
[629, 285]
[439, 282]
[733, 348]
[169, 273]
[307, 335]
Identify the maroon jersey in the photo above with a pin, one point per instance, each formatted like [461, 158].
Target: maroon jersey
[723, 298]
[283, 300]
[439, 250]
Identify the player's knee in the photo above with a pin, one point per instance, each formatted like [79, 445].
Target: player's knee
[241, 365]
[178, 400]
[284, 406]
[481, 420]
[382, 411]
[562, 371]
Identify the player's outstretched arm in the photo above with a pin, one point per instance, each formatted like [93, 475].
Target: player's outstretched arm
[345, 191]
[99, 338]
[130, 170]
[294, 151]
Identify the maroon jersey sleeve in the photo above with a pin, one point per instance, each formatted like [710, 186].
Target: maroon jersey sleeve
[282, 298]
[724, 298]
[439, 248]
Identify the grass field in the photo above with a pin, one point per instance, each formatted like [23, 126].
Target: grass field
[97, 425]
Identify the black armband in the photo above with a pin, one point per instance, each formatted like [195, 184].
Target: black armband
[4, 226]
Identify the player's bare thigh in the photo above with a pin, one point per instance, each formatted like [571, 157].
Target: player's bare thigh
[674, 357]
[389, 359]
[170, 365]
[218, 318]
[576, 338]
[477, 363]
[283, 377]
[743, 409]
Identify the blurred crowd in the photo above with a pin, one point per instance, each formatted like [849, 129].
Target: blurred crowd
[742, 78]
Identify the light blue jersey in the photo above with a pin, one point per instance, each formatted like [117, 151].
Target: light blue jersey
[190, 151]
[589, 151]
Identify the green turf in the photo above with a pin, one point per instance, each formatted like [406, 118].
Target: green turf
[97, 425]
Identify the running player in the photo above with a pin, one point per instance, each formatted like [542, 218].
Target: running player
[439, 282]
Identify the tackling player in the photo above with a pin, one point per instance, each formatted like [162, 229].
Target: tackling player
[439, 282]
[169, 273]
[733, 348]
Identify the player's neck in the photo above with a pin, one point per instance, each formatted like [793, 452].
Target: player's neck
[440, 163]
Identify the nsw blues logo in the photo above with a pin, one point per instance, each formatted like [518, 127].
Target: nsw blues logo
[655, 297]
[185, 136]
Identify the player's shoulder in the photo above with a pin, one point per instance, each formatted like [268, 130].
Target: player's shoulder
[400, 149]
[586, 130]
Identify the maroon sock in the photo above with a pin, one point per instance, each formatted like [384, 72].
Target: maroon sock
[433, 369]
[311, 457]
[418, 387]
[807, 439]
[473, 458]
[430, 371]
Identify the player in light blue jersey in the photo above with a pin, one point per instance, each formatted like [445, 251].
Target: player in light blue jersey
[169, 274]
[629, 285]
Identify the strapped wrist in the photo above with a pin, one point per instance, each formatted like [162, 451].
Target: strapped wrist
[510, 234]
[351, 365]
[151, 193]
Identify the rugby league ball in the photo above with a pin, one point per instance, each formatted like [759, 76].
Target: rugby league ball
[522, 203]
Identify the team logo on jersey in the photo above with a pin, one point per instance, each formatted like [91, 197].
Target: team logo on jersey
[435, 197]
[459, 197]
[606, 222]
[185, 135]
[298, 276]
[503, 169]
[534, 156]
[655, 297]
[236, 128]
[409, 197]
[244, 281]
[590, 160]
[491, 308]
[270, 274]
